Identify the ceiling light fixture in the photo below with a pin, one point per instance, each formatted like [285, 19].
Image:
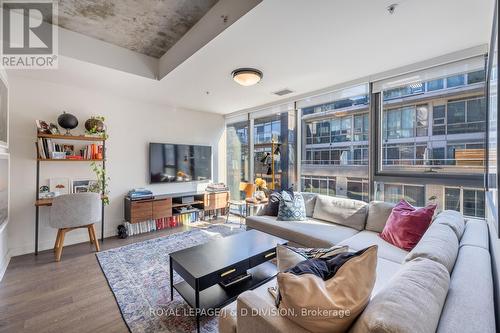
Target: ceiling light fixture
[246, 76]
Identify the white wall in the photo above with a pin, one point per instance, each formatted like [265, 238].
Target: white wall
[131, 126]
[4, 246]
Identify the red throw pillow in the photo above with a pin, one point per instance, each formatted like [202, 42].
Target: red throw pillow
[407, 224]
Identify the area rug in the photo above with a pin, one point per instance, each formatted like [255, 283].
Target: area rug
[138, 275]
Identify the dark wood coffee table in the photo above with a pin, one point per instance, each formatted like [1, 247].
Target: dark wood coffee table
[204, 266]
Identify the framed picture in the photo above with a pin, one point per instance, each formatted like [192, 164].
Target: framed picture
[80, 189]
[42, 126]
[83, 185]
[60, 185]
[68, 149]
[54, 129]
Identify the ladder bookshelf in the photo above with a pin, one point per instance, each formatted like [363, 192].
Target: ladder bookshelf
[47, 202]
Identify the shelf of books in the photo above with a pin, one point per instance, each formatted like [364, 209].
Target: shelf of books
[50, 150]
[177, 219]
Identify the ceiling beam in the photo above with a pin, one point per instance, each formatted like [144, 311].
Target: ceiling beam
[216, 20]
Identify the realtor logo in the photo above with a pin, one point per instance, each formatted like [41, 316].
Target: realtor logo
[29, 37]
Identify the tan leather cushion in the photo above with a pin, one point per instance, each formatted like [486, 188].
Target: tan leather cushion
[332, 305]
[348, 212]
[378, 213]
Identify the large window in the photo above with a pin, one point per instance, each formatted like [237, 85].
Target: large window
[426, 134]
[237, 157]
[335, 147]
[274, 149]
[435, 125]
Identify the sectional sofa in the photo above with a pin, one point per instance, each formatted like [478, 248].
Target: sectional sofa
[444, 284]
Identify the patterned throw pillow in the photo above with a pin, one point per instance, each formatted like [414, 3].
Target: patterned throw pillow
[291, 208]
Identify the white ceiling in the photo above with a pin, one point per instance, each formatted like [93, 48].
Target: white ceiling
[298, 44]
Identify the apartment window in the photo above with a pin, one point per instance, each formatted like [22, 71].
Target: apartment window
[360, 155]
[422, 123]
[438, 156]
[468, 201]
[452, 199]
[361, 127]
[413, 194]
[320, 185]
[473, 203]
[455, 81]
[357, 189]
[399, 123]
[435, 85]
[341, 129]
[475, 77]
[439, 120]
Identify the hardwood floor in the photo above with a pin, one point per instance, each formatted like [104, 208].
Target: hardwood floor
[38, 294]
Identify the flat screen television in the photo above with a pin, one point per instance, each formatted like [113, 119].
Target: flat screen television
[170, 163]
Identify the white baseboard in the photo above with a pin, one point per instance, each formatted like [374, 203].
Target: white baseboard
[3, 264]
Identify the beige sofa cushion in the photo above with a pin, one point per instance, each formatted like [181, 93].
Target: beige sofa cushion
[439, 243]
[309, 201]
[385, 249]
[348, 212]
[476, 234]
[309, 233]
[386, 269]
[469, 306]
[453, 219]
[410, 303]
[306, 297]
[378, 213]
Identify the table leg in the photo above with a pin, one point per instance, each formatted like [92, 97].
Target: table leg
[171, 280]
[197, 305]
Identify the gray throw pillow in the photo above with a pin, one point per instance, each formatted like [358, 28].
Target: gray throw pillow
[272, 207]
[292, 208]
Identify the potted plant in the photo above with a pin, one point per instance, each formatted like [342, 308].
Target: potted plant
[261, 186]
[95, 127]
[101, 185]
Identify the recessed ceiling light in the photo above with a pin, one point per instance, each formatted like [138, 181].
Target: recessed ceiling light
[247, 76]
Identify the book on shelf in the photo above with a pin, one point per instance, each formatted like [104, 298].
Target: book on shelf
[162, 223]
[48, 149]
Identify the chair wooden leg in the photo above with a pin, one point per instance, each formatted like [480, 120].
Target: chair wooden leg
[91, 236]
[56, 244]
[60, 244]
[96, 241]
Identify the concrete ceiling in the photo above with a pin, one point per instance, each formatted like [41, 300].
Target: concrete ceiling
[300, 45]
[149, 27]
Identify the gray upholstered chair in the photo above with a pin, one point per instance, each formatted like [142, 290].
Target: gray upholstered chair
[73, 211]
